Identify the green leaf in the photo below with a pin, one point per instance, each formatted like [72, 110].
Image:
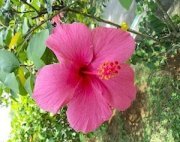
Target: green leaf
[3, 76]
[1, 90]
[29, 84]
[7, 5]
[1, 39]
[21, 79]
[25, 26]
[8, 35]
[49, 26]
[1, 3]
[37, 43]
[49, 6]
[17, 3]
[156, 24]
[37, 62]
[36, 4]
[37, 47]
[8, 61]
[10, 81]
[14, 40]
[21, 75]
[126, 3]
[22, 90]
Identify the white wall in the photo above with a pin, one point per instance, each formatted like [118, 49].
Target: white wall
[5, 124]
[116, 13]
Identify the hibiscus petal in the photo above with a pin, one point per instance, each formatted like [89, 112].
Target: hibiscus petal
[54, 87]
[121, 89]
[88, 109]
[111, 44]
[72, 42]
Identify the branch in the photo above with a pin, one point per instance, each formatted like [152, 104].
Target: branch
[16, 11]
[39, 25]
[111, 23]
[50, 17]
[44, 11]
[61, 8]
[166, 16]
[93, 17]
[24, 1]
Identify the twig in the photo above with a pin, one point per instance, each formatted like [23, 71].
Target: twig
[25, 65]
[97, 19]
[60, 8]
[44, 11]
[110, 23]
[39, 25]
[24, 1]
[56, 7]
[23, 11]
[16, 11]
[1, 24]
[166, 16]
[22, 43]
[50, 17]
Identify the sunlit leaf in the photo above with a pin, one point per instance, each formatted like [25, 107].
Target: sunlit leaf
[14, 40]
[21, 76]
[1, 2]
[1, 90]
[35, 4]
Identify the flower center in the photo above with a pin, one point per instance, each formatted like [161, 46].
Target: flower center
[82, 71]
[108, 70]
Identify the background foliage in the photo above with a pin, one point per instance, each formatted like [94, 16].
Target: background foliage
[154, 116]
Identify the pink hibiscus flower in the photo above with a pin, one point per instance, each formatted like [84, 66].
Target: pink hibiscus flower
[91, 78]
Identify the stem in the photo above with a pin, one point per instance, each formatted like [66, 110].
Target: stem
[166, 16]
[110, 23]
